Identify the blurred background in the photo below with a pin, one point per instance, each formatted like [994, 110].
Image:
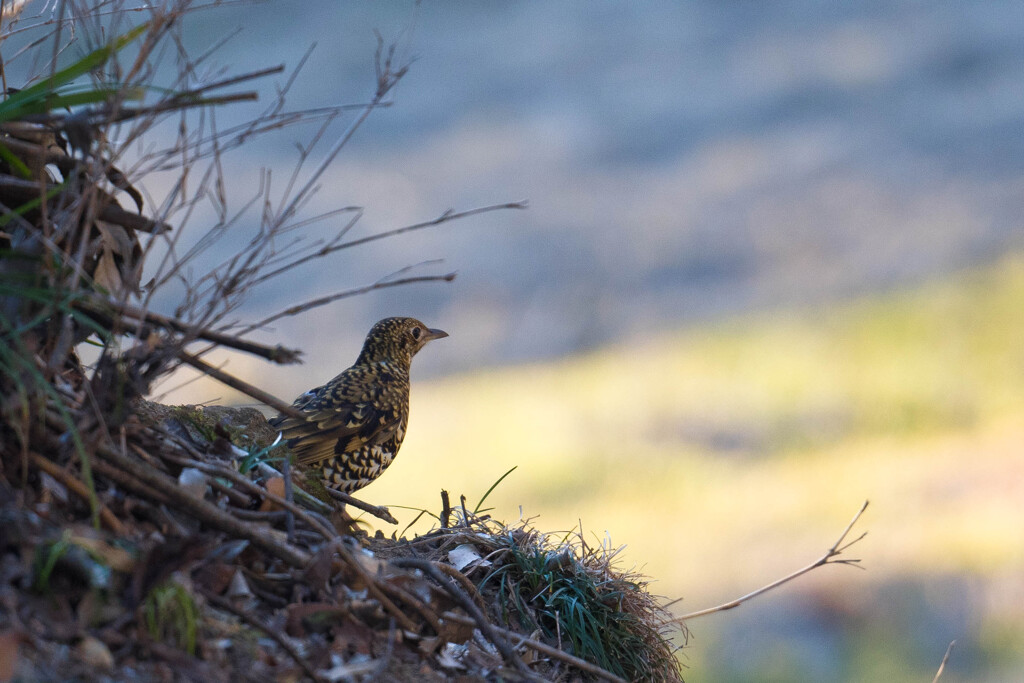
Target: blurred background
[773, 266]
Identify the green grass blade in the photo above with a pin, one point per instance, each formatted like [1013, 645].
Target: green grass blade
[17, 164]
[30, 98]
[476, 510]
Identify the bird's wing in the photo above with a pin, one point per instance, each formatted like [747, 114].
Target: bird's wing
[354, 410]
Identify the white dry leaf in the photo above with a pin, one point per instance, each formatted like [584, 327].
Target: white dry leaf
[451, 656]
[239, 587]
[193, 481]
[95, 653]
[465, 555]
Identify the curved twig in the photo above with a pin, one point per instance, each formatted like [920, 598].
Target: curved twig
[466, 603]
[78, 488]
[837, 548]
[544, 648]
[253, 621]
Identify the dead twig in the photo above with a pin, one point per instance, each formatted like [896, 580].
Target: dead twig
[837, 548]
[118, 476]
[331, 298]
[378, 511]
[257, 623]
[235, 383]
[446, 510]
[446, 217]
[465, 602]
[27, 190]
[138, 316]
[207, 513]
[373, 587]
[78, 488]
[410, 599]
[538, 646]
[463, 581]
[241, 481]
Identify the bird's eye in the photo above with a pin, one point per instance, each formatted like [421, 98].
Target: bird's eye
[417, 333]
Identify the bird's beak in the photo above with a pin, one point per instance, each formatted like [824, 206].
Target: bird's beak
[434, 334]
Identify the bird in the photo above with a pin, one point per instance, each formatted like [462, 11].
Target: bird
[353, 426]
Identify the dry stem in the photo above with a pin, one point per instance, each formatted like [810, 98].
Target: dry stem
[466, 603]
[834, 551]
[244, 387]
[78, 488]
[378, 511]
[134, 316]
[538, 646]
[258, 624]
[207, 513]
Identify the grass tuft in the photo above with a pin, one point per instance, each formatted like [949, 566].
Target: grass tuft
[573, 593]
[171, 615]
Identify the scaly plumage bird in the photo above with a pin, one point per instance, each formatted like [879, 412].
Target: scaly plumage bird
[354, 424]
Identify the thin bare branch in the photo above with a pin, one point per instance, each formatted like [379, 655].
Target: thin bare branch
[274, 633]
[373, 586]
[380, 512]
[386, 80]
[834, 551]
[258, 534]
[233, 80]
[331, 298]
[78, 488]
[447, 216]
[538, 646]
[28, 190]
[235, 383]
[499, 639]
[314, 522]
[139, 317]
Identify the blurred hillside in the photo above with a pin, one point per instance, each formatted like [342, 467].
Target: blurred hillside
[727, 456]
[683, 161]
[771, 268]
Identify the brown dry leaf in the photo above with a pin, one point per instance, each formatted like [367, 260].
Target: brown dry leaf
[215, 576]
[351, 638]
[274, 485]
[95, 653]
[319, 571]
[455, 632]
[107, 274]
[117, 240]
[119, 247]
[9, 642]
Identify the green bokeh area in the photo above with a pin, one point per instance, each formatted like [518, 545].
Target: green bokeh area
[727, 456]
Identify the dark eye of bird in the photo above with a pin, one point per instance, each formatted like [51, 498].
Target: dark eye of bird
[416, 332]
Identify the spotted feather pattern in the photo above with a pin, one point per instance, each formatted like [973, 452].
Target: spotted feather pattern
[353, 426]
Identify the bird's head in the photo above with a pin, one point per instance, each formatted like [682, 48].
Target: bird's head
[397, 339]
